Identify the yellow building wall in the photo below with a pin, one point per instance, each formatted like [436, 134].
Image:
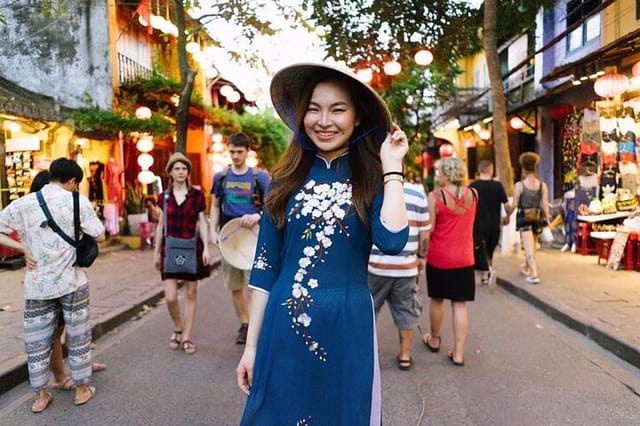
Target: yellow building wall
[618, 20]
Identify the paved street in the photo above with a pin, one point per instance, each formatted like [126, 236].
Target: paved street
[522, 367]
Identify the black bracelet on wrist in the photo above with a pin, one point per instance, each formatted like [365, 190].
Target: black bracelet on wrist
[392, 173]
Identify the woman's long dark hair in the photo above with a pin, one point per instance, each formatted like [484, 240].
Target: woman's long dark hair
[291, 171]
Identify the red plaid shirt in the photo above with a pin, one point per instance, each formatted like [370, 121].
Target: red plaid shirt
[182, 219]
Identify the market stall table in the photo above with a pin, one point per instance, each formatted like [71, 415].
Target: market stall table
[585, 243]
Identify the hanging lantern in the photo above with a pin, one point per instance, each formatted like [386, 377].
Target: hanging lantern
[365, 75]
[423, 57]
[226, 90]
[145, 143]
[252, 162]
[636, 69]
[516, 123]
[145, 161]
[446, 150]
[392, 68]
[611, 85]
[143, 113]
[560, 112]
[484, 134]
[192, 47]
[146, 177]
[233, 97]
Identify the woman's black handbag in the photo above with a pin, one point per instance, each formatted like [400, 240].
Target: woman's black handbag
[180, 254]
[86, 247]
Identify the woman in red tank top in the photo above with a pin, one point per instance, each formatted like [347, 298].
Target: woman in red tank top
[450, 260]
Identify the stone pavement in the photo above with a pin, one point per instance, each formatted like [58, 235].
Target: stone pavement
[603, 305]
[600, 303]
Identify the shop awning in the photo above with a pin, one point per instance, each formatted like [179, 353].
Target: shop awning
[16, 100]
[612, 54]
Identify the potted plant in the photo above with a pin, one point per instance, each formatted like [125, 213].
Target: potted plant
[135, 208]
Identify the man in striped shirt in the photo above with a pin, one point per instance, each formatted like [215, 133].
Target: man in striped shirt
[394, 278]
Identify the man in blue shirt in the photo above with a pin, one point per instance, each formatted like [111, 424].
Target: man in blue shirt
[238, 192]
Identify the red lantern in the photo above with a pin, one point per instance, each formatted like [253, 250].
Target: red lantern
[560, 112]
[446, 150]
[611, 85]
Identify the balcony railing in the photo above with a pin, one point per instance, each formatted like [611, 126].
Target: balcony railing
[128, 69]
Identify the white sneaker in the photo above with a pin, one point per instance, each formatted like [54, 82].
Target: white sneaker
[565, 247]
[493, 278]
[533, 280]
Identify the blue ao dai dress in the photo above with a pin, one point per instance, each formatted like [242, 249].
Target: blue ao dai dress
[316, 360]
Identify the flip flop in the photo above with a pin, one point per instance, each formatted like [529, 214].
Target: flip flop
[40, 404]
[67, 385]
[90, 394]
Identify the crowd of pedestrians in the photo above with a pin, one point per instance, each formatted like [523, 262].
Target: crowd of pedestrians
[342, 231]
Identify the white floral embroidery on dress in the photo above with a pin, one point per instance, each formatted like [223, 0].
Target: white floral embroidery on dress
[261, 260]
[326, 205]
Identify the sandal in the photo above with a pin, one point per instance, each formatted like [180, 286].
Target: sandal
[66, 385]
[174, 342]
[96, 366]
[454, 362]
[188, 347]
[405, 364]
[41, 404]
[427, 342]
[87, 398]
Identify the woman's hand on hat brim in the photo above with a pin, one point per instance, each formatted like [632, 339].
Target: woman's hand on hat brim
[394, 148]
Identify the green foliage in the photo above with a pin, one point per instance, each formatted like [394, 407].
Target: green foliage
[101, 124]
[155, 83]
[269, 134]
[134, 199]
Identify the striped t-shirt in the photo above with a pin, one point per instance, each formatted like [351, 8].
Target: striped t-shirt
[404, 264]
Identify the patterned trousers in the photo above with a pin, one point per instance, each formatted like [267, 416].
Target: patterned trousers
[40, 322]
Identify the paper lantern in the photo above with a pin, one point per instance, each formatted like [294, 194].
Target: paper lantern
[636, 69]
[226, 90]
[484, 134]
[146, 177]
[233, 97]
[192, 47]
[423, 57]
[252, 161]
[446, 150]
[516, 123]
[365, 75]
[145, 161]
[145, 143]
[560, 112]
[143, 113]
[392, 68]
[611, 85]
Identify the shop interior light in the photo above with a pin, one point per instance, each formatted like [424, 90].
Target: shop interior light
[484, 134]
[516, 123]
[392, 68]
[156, 22]
[635, 71]
[576, 82]
[12, 126]
[142, 21]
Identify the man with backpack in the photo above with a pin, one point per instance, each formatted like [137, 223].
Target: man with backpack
[238, 192]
